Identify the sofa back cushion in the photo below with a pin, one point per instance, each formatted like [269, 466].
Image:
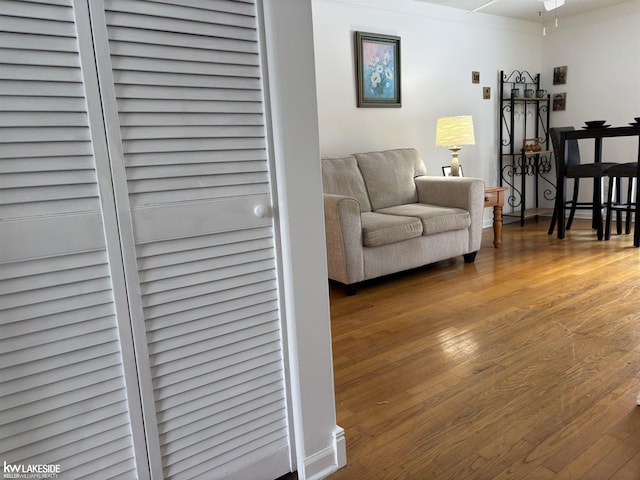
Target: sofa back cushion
[341, 176]
[389, 176]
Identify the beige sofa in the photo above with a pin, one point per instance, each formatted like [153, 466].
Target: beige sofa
[384, 215]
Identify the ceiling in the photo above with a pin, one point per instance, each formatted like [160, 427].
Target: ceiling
[528, 9]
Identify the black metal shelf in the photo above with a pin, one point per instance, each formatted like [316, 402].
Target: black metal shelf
[524, 118]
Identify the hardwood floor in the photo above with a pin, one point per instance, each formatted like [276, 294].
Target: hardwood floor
[522, 365]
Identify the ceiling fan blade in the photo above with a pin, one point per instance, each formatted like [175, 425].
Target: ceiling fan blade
[552, 4]
[485, 4]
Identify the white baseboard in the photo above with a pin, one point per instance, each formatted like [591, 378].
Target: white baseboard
[340, 445]
[326, 461]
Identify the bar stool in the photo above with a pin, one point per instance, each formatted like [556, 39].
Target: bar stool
[575, 169]
[614, 202]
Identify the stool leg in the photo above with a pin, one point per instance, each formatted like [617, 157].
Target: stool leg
[554, 217]
[610, 199]
[636, 203]
[630, 204]
[597, 206]
[618, 202]
[574, 202]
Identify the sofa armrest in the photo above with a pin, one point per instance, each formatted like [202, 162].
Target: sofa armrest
[343, 232]
[463, 192]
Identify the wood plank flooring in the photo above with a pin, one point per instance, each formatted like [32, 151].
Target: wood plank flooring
[522, 365]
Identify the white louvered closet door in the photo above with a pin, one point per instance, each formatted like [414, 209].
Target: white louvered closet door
[183, 98]
[64, 343]
[137, 249]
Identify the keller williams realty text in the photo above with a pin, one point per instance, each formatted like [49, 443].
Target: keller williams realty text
[30, 471]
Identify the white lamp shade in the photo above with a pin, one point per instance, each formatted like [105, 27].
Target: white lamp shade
[455, 131]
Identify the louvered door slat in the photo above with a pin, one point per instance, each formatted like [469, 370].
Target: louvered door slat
[44, 179]
[191, 25]
[220, 311]
[257, 444]
[187, 423]
[180, 448]
[183, 54]
[193, 401]
[189, 106]
[61, 119]
[242, 7]
[26, 57]
[16, 24]
[213, 168]
[45, 10]
[41, 73]
[17, 88]
[52, 134]
[29, 42]
[193, 131]
[177, 379]
[182, 67]
[203, 341]
[40, 149]
[218, 291]
[151, 259]
[157, 276]
[48, 207]
[211, 181]
[186, 145]
[177, 39]
[164, 119]
[44, 164]
[266, 419]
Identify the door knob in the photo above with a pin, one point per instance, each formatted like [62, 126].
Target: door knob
[261, 211]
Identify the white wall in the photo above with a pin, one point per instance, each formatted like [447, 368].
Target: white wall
[440, 47]
[602, 52]
[319, 442]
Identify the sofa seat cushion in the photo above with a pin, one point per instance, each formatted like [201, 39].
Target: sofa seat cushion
[380, 229]
[434, 218]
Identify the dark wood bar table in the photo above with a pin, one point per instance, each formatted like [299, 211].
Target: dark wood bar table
[597, 134]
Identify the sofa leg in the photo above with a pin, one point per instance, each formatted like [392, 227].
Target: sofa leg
[469, 257]
[350, 290]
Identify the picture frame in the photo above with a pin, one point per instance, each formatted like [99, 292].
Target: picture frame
[377, 70]
[560, 75]
[559, 102]
[446, 171]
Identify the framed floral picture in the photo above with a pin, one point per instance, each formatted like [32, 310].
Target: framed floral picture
[377, 70]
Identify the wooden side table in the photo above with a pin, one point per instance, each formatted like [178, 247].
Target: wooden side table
[494, 197]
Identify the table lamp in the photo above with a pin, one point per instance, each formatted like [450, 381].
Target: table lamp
[452, 132]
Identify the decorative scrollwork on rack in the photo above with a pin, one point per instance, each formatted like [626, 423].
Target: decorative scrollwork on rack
[514, 198]
[542, 116]
[548, 193]
[528, 165]
[506, 111]
[544, 164]
[545, 168]
[519, 76]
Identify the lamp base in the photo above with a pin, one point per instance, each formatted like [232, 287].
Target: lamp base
[455, 166]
